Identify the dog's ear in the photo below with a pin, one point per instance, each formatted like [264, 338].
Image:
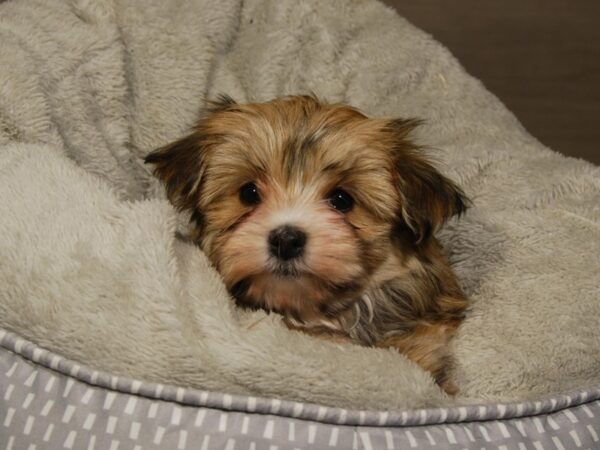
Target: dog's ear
[428, 198]
[180, 166]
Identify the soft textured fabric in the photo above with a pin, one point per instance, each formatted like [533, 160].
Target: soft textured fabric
[53, 403]
[89, 263]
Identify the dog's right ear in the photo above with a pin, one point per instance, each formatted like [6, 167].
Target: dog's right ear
[180, 166]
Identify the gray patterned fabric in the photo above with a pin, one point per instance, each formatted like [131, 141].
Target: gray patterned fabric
[50, 402]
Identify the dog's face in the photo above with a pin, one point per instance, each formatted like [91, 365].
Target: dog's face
[298, 203]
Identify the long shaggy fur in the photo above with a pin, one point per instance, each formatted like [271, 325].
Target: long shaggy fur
[374, 275]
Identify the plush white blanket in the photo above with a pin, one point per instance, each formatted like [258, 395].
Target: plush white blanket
[89, 263]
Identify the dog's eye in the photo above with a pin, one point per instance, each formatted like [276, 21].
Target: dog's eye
[249, 194]
[341, 200]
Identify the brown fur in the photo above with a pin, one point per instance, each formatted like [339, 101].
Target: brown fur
[374, 274]
[427, 345]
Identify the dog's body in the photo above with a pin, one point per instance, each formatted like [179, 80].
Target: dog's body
[326, 216]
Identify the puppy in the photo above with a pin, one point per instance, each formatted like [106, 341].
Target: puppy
[319, 213]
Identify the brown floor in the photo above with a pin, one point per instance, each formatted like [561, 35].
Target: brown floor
[541, 57]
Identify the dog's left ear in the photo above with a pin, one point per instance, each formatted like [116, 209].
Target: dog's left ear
[180, 166]
[428, 198]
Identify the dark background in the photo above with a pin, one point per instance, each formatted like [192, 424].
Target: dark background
[540, 57]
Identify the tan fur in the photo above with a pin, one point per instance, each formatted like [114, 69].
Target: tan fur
[427, 345]
[375, 273]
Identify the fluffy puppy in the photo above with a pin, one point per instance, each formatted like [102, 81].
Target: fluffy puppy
[326, 216]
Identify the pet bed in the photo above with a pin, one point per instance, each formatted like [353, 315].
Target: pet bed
[91, 270]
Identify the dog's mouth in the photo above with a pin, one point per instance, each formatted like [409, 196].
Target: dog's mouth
[287, 271]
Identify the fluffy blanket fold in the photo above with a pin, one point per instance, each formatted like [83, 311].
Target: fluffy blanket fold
[89, 263]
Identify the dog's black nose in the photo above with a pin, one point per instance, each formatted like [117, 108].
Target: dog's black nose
[287, 242]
